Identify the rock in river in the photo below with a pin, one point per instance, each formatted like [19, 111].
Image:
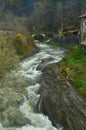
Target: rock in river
[60, 101]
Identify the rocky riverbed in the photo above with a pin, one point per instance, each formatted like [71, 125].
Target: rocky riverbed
[19, 92]
[35, 86]
[60, 101]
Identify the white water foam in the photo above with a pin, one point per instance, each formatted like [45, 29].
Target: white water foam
[30, 72]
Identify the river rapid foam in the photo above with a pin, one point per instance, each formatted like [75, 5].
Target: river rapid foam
[31, 70]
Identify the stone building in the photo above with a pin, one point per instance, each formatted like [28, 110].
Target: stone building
[83, 26]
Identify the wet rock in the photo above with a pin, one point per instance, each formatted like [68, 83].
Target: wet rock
[60, 101]
[47, 59]
[13, 117]
[44, 62]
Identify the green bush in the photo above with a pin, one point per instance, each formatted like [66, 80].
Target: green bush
[78, 82]
[23, 45]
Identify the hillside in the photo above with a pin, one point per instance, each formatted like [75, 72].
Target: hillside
[20, 15]
[50, 13]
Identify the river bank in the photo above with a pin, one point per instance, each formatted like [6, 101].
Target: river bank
[57, 98]
[13, 51]
[19, 93]
[60, 101]
[73, 65]
[73, 68]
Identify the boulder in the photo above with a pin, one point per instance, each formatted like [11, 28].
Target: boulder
[60, 101]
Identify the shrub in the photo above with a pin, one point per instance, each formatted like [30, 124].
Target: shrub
[83, 42]
[19, 36]
[23, 44]
[8, 57]
[18, 40]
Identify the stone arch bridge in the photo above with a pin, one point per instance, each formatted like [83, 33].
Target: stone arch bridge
[42, 35]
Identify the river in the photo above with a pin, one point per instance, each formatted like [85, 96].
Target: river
[31, 70]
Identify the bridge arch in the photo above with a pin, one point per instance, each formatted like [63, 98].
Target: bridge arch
[38, 36]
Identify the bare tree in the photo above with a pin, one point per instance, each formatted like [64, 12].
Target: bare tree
[2, 7]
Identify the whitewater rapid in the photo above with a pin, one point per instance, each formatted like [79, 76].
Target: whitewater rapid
[31, 70]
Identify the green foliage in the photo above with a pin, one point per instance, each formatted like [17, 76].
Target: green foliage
[83, 42]
[23, 45]
[12, 49]
[60, 35]
[19, 36]
[79, 82]
[73, 67]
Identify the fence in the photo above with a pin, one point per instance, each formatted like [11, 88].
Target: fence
[68, 39]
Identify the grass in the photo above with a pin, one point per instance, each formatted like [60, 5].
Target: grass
[12, 50]
[83, 42]
[8, 57]
[24, 45]
[73, 66]
[53, 43]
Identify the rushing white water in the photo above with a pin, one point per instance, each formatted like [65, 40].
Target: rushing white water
[31, 69]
